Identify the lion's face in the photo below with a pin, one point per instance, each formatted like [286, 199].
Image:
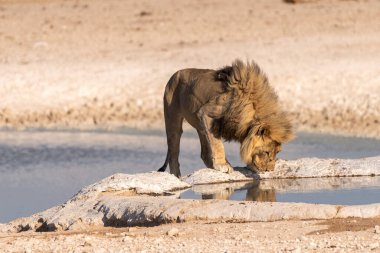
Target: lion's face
[259, 151]
[264, 157]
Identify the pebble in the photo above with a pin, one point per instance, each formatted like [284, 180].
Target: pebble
[126, 239]
[377, 229]
[360, 247]
[132, 229]
[374, 246]
[313, 245]
[173, 232]
[297, 250]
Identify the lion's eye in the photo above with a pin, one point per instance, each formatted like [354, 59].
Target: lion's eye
[264, 154]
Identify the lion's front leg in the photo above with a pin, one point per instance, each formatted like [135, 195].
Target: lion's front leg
[212, 153]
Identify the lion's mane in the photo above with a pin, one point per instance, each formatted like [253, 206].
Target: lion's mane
[253, 105]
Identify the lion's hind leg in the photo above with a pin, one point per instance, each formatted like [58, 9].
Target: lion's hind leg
[173, 124]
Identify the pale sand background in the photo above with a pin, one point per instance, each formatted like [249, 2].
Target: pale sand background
[86, 64]
[93, 63]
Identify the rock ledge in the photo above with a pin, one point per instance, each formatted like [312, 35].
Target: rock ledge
[151, 198]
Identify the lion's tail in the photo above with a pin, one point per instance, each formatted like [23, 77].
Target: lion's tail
[163, 168]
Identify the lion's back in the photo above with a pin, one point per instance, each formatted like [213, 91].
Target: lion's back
[191, 88]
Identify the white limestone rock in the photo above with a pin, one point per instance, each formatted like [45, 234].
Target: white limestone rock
[142, 199]
[359, 211]
[132, 211]
[80, 211]
[119, 210]
[300, 168]
[210, 176]
[151, 183]
[314, 167]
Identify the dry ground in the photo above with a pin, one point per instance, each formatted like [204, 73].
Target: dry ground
[343, 235]
[93, 63]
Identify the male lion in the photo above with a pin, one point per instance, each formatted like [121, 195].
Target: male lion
[233, 103]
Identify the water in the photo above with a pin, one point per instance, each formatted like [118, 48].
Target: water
[40, 169]
[337, 191]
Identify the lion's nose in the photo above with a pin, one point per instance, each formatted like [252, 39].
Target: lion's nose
[270, 166]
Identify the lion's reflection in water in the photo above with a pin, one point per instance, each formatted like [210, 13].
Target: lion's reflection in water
[254, 193]
[335, 191]
[257, 194]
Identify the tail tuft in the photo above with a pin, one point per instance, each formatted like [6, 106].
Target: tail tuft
[163, 168]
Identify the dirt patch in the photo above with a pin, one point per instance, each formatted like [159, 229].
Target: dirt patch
[351, 224]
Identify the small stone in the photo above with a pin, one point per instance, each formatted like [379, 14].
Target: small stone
[132, 229]
[313, 245]
[359, 246]
[377, 229]
[158, 240]
[87, 238]
[87, 244]
[374, 246]
[173, 232]
[297, 250]
[126, 239]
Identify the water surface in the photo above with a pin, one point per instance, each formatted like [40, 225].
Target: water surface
[335, 191]
[40, 169]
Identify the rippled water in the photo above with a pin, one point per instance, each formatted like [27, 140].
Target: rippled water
[40, 169]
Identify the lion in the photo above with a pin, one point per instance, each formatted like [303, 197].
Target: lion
[234, 103]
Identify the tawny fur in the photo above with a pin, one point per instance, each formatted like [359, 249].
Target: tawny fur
[254, 107]
[234, 103]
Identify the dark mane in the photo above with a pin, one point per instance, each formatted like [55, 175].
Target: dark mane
[253, 104]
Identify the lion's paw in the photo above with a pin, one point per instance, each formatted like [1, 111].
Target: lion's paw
[226, 168]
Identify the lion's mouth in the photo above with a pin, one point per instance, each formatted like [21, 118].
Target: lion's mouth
[257, 169]
[253, 168]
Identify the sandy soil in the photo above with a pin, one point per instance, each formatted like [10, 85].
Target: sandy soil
[86, 64]
[93, 63]
[346, 235]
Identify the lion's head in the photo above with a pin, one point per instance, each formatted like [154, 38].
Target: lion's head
[262, 143]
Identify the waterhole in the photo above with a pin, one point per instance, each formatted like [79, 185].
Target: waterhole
[336, 191]
[41, 169]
